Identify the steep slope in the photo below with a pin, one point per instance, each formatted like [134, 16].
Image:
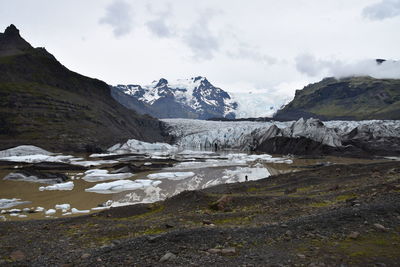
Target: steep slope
[43, 103]
[355, 98]
[194, 98]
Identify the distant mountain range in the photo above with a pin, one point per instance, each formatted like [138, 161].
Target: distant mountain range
[43, 103]
[353, 98]
[194, 98]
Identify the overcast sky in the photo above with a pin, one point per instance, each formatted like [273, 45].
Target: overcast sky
[259, 50]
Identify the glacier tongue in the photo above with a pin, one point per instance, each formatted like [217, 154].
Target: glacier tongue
[247, 135]
[205, 134]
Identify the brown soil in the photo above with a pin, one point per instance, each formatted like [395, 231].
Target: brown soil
[327, 216]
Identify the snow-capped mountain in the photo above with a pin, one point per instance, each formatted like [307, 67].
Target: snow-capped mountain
[194, 98]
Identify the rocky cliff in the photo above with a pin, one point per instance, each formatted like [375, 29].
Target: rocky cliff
[44, 104]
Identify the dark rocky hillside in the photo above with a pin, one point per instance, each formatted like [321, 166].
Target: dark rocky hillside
[355, 98]
[45, 104]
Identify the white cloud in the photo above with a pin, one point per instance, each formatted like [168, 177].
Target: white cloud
[382, 10]
[159, 25]
[311, 66]
[199, 37]
[119, 16]
[246, 51]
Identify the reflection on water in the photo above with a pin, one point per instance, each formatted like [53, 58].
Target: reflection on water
[208, 169]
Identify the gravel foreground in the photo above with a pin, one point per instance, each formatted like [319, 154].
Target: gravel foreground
[340, 215]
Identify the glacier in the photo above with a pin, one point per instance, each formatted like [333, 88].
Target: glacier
[247, 135]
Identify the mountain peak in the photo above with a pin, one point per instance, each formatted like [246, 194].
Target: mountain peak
[11, 31]
[162, 82]
[11, 42]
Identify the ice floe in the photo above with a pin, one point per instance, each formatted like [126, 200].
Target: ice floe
[121, 185]
[6, 203]
[63, 207]
[171, 175]
[24, 150]
[89, 163]
[98, 175]
[134, 145]
[38, 158]
[61, 186]
[100, 208]
[76, 211]
[36, 177]
[50, 212]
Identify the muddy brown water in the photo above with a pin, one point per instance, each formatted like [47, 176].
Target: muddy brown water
[78, 198]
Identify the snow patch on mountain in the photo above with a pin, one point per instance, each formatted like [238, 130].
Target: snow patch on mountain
[197, 98]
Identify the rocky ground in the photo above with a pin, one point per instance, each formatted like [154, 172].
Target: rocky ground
[336, 215]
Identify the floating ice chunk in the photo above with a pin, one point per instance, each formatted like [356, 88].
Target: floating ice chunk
[39, 209]
[133, 145]
[50, 212]
[121, 185]
[15, 210]
[22, 216]
[194, 152]
[14, 214]
[98, 175]
[61, 186]
[100, 208]
[37, 158]
[147, 164]
[24, 150]
[100, 155]
[67, 213]
[63, 207]
[93, 163]
[6, 203]
[3, 218]
[171, 175]
[76, 211]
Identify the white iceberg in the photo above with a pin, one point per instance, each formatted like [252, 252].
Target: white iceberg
[89, 163]
[6, 203]
[171, 175]
[24, 150]
[50, 212]
[121, 185]
[76, 211]
[61, 186]
[98, 175]
[38, 158]
[133, 145]
[63, 207]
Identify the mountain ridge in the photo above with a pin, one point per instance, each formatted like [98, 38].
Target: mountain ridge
[45, 104]
[194, 98]
[352, 98]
